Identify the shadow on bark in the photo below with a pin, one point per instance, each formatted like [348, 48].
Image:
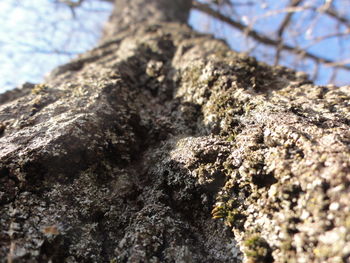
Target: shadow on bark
[97, 181]
[132, 155]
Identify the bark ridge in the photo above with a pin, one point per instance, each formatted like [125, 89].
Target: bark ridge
[164, 145]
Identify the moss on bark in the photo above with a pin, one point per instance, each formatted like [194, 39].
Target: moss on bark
[128, 156]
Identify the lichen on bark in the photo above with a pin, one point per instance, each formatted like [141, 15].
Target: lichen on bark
[163, 145]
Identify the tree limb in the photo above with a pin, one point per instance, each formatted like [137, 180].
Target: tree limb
[263, 38]
[282, 28]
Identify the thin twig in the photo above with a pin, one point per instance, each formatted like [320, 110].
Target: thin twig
[263, 38]
[285, 23]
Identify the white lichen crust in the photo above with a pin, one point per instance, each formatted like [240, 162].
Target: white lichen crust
[163, 145]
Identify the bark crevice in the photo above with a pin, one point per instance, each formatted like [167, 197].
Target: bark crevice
[160, 144]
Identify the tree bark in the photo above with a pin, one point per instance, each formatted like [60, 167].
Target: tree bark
[163, 145]
[128, 14]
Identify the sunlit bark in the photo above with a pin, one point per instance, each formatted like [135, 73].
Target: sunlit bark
[163, 145]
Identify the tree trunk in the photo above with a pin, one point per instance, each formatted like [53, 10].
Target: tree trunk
[163, 145]
[128, 14]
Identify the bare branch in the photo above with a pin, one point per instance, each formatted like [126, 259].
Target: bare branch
[282, 28]
[265, 39]
[325, 9]
[287, 18]
[333, 13]
[71, 3]
[319, 39]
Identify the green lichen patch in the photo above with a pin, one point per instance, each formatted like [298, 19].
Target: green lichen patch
[229, 212]
[257, 250]
[136, 143]
[39, 88]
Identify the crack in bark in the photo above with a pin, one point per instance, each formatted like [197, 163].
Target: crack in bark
[128, 157]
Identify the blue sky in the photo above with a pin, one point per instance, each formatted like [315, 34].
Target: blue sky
[36, 36]
[306, 26]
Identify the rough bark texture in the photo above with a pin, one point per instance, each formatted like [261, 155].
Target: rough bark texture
[163, 145]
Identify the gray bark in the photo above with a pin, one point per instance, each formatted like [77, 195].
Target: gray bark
[128, 14]
[163, 145]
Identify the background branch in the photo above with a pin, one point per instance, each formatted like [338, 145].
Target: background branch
[205, 8]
